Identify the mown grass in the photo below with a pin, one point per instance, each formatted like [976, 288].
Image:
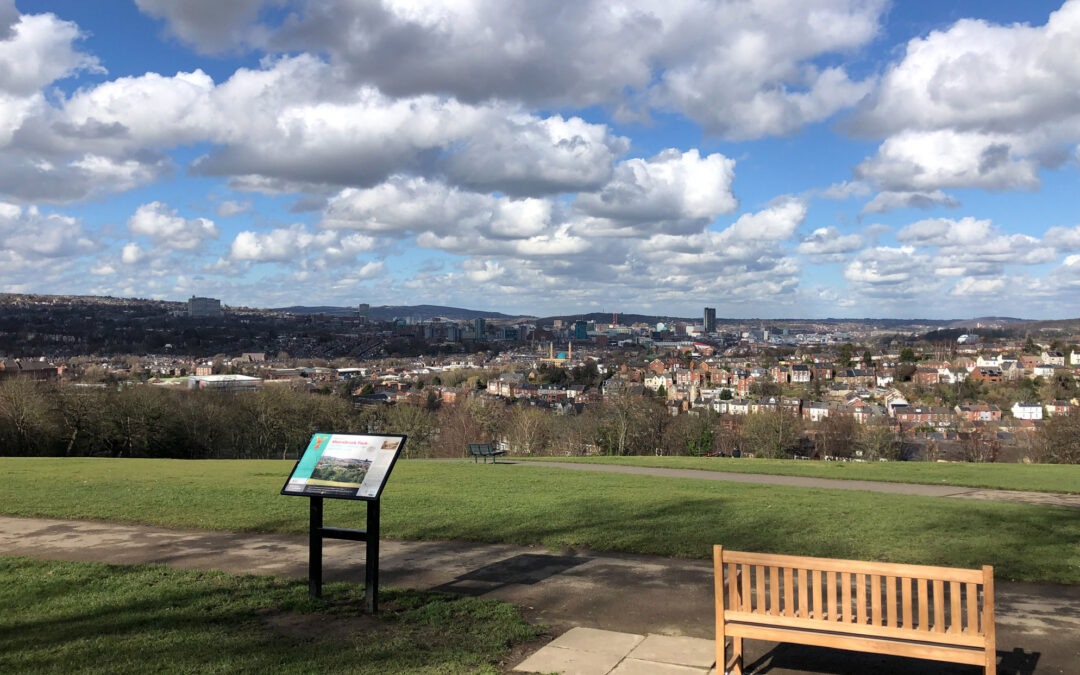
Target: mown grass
[66, 617]
[566, 510]
[1025, 477]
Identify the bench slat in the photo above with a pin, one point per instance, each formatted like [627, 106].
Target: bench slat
[863, 644]
[789, 591]
[955, 622]
[747, 599]
[831, 613]
[845, 610]
[774, 591]
[890, 602]
[924, 606]
[905, 598]
[854, 566]
[854, 629]
[972, 624]
[759, 581]
[939, 606]
[860, 587]
[875, 599]
[804, 595]
[733, 587]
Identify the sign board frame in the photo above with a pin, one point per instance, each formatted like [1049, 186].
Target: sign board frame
[313, 447]
[317, 532]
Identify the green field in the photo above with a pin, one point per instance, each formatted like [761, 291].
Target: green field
[62, 617]
[565, 509]
[1025, 477]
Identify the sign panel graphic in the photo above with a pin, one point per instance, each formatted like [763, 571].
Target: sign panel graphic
[345, 466]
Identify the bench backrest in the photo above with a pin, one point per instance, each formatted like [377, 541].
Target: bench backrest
[480, 448]
[934, 604]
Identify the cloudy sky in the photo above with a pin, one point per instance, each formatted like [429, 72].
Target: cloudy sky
[776, 158]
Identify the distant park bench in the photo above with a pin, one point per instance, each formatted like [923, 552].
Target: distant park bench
[484, 450]
[937, 613]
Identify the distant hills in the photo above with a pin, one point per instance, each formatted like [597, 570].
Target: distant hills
[390, 312]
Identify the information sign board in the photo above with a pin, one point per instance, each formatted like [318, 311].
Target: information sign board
[345, 466]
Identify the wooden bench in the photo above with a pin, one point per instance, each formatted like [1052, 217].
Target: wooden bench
[484, 450]
[937, 613]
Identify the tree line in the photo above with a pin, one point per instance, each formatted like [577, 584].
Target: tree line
[58, 419]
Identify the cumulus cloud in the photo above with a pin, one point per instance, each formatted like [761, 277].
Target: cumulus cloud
[27, 234]
[166, 229]
[977, 105]
[975, 246]
[828, 244]
[884, 202]
[230, 208]
[730, 66]
[672, 185]
[1063, 238]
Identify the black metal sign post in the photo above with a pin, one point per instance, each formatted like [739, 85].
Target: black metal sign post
[345, 466]
[370, 536]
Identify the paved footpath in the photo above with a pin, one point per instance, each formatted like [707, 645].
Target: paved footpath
[925, 490]
[1038, 625]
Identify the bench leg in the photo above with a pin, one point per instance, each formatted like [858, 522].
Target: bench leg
[736, 651]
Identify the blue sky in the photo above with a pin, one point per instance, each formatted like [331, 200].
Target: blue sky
[801, 158]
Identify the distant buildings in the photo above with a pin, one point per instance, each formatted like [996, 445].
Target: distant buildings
[710, 319]
[224, 382]
[204, 307]
[581, 330]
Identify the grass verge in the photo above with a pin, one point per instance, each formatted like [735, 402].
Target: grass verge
[1025, 477]
[566, 510]
[93, 618]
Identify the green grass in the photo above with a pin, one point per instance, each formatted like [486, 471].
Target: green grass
[566, 509]
[1026, 477]
[91, 618]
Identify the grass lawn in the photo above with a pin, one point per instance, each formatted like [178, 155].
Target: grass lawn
[565, 509]
[1025, 477]
[63, 617]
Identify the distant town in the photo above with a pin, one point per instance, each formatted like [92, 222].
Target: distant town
[848, 390]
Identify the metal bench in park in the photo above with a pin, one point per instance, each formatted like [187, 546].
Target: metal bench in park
[484, 450]
[936, 613]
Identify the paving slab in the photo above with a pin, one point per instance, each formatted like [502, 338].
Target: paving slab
[631, 666]
[598, 641]
[569, 662]
[678, 650]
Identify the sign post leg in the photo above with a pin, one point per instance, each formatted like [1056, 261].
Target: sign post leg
[371, 563]
[315, 541]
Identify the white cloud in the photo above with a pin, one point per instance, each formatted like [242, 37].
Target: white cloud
[973, 286]
[230, 208]
[168, 230]
[975, 245]
[27, 234]
[672, 185]
[132, 253]
[1063, 238]
[730, 66]
[279, 245]
[977, 105]
[828, 244]
[884, 202]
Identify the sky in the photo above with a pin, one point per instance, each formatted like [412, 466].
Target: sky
[776, 158]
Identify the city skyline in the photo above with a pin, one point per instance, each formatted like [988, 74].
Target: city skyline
[889, 160]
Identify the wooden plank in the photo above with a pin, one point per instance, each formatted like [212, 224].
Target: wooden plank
[939, 606]
[718, 601]
[971, 626]
[892, 616]
[831, 612]
[924, 607]
[968, 655]
[733, 587]
[854, 629]
[804, 609]
[855, 566]
[845, 584]
[875, 599]
[747, 599]
[955, 622]
[989, 631]
[860, 597]
[759, 581]
[774, 591]
[789, 592]
[819, 605]
[905, 599]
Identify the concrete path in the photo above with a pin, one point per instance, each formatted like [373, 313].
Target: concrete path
[1044, 498]
[1038, 625]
